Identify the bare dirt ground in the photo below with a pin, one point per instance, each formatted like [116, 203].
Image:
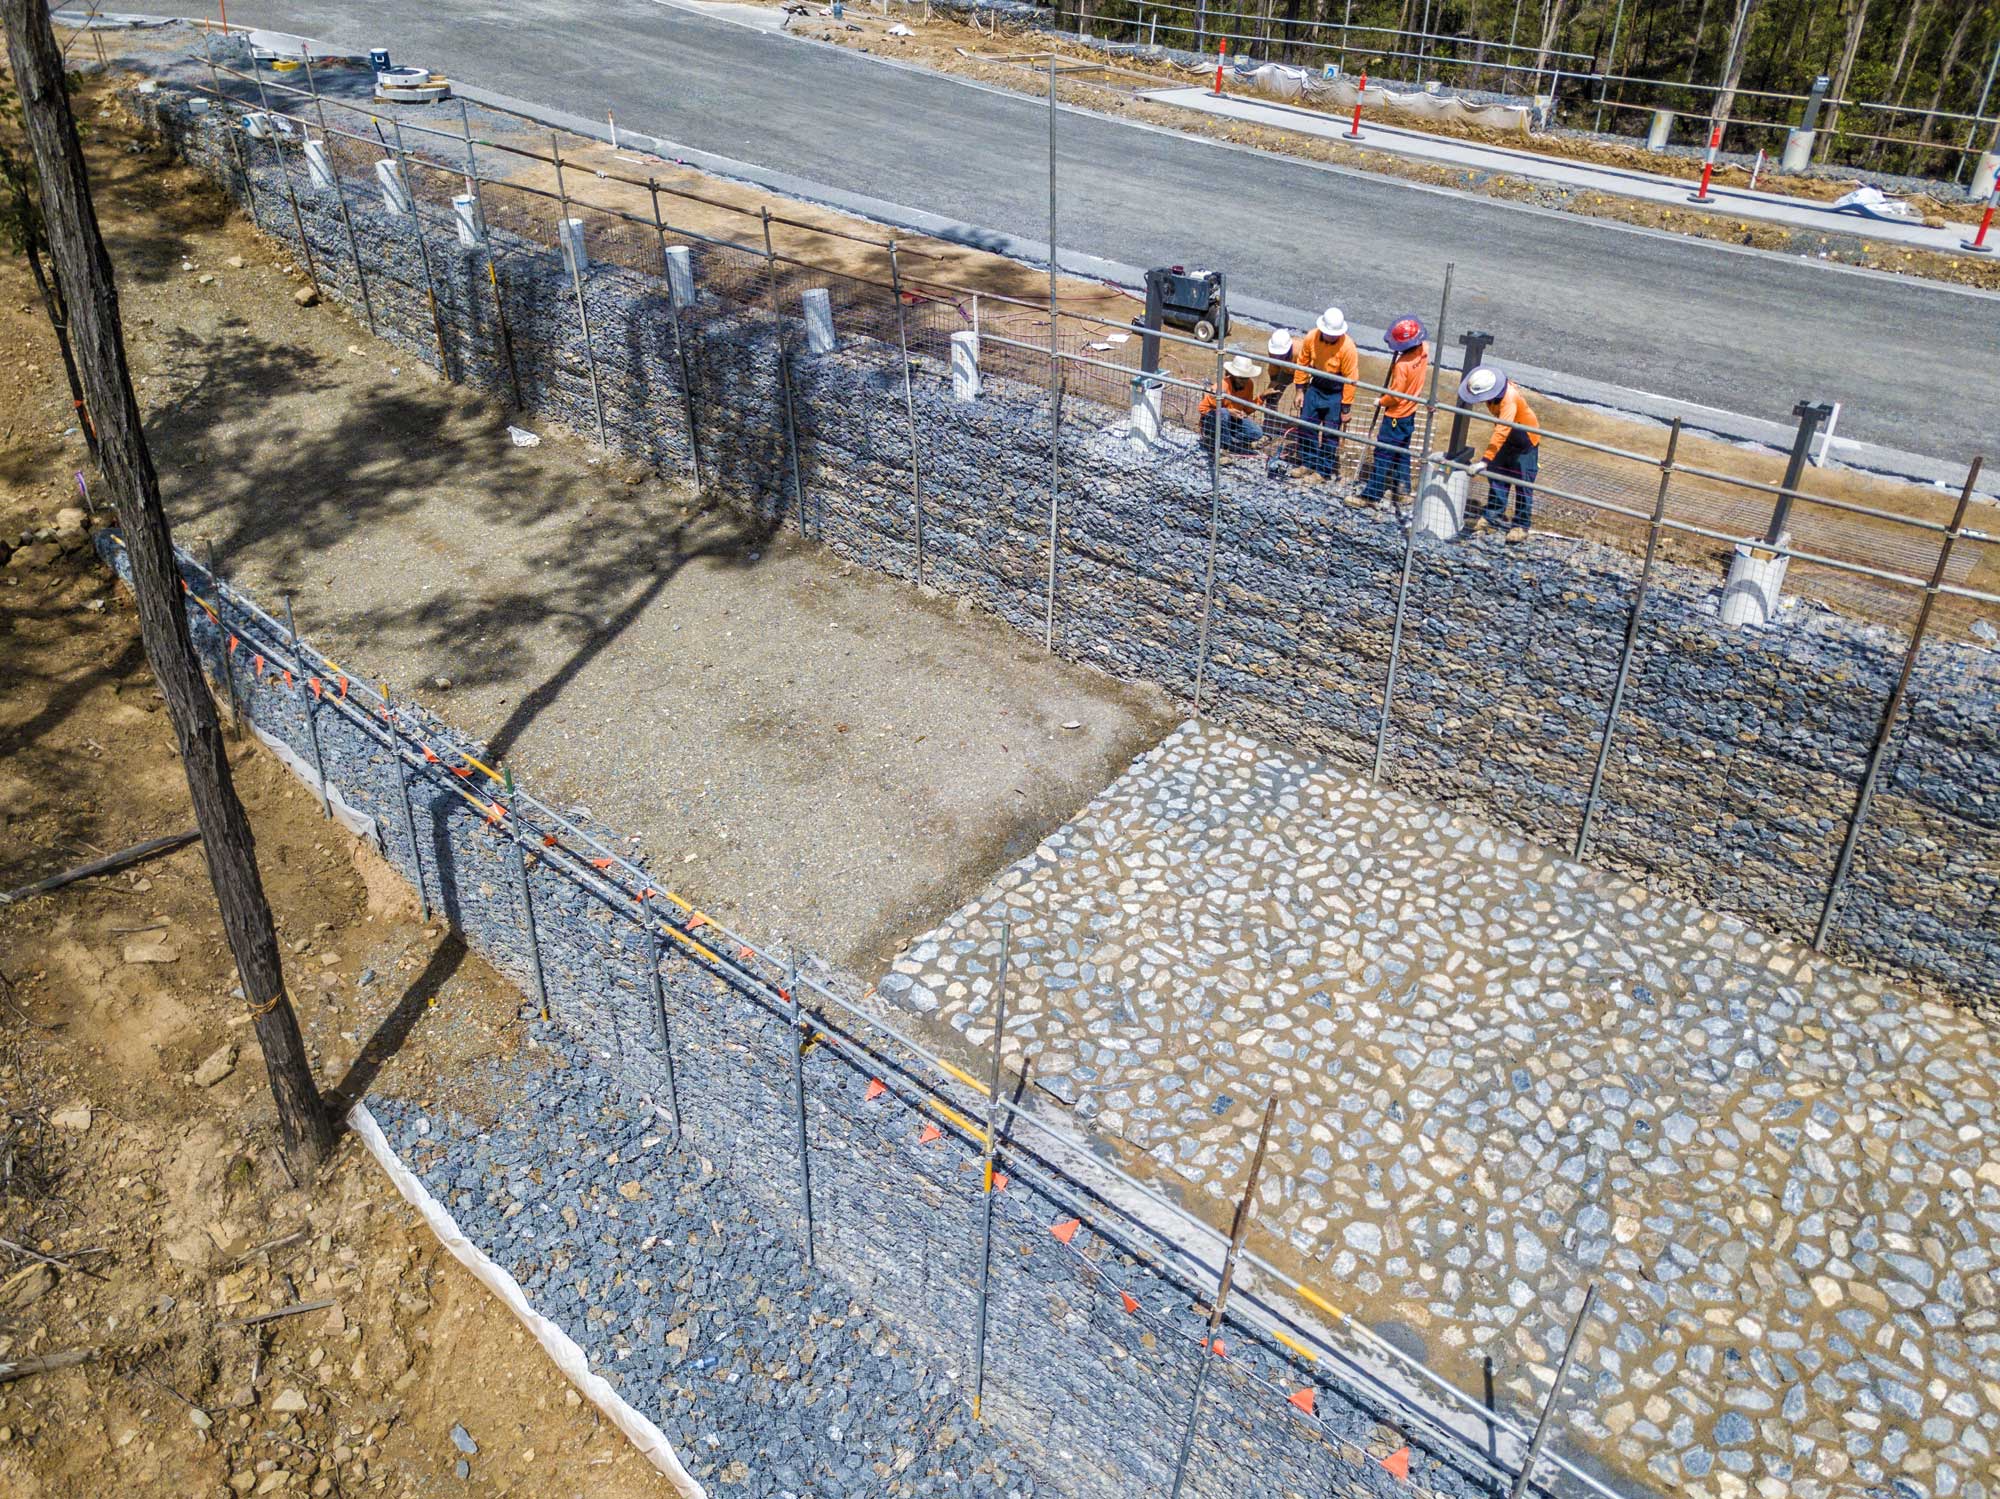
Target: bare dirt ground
[158, 1182]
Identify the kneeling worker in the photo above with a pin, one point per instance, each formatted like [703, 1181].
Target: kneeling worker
[1511, 460]
[1409, 366]
[1238, 407]
[1331, 366]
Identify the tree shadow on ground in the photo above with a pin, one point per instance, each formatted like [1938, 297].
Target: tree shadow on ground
[396, 1026]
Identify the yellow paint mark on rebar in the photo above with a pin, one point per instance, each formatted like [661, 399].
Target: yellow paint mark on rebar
[1311, 1297]
[1296, 1346]
[963, 1076]
[957, 1118]
[491, 774]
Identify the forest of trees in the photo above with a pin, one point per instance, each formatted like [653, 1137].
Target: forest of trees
[1909, 54]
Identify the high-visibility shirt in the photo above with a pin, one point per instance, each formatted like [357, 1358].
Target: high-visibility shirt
[1242, 396]
[1333, 359]
[1512, 411]
[1278, 379]
[1407, 373]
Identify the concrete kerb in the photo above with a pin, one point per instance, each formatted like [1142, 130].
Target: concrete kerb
[253, 644]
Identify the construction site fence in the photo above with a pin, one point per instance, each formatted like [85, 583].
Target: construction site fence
[386, 764]
[1910, 569]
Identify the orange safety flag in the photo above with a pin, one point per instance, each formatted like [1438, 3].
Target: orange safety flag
[999, 1181]
[257, 664]
[746, 955]
[1398, 1462]
[343, 689]
[648, 893]
[495, 812]
[696, 922]
[463, 772]
[1219, 1348]
[876, 1088]
[313, 682]
[288, 678]
[548, 840]
[1066, 1230]
[233, 643]
[1129, 1302]
[931, 1132]
[604, 864]
[1303, 1399]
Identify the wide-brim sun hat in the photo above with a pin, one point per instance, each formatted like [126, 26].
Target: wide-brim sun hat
[1243, 369]
[1405, 333]
[1332, 322]
[1482, 383]
[1281, 344]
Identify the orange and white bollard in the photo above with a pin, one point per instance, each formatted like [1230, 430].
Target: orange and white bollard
[1977, 244]
[1221, 52]
[1354, 130]
[1707, 167]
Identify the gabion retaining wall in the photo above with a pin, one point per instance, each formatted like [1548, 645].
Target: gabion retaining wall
[1097, 1395]
[1738, 754]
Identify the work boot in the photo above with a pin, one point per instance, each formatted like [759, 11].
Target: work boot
[1517, 534]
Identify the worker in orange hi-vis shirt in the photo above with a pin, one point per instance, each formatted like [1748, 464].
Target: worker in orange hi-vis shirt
[1511, 461]
[1277, 381]
[1326, 390]
[1238, 407]
[1409, 367]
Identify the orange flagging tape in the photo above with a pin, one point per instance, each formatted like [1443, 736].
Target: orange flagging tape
[1219, 1348]
[548, 840]
[999, 1181]
[746, 955]
[1303, 1399]
[233, 643]
[876, 1088]
[288, 678]
[931, 1132]
[1129, 1302]
[1066, 1230]
[605, 864]
[463, 772]
[343, 689]
[1398, 1463]
[495, 812]
[696, 922]
[429, 758]
[257, 665]
[313, 682]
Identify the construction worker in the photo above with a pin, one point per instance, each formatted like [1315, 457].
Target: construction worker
[1278, 380]
[1511, 460]
[1239, 407]
[1409, 367]
[1331, 366]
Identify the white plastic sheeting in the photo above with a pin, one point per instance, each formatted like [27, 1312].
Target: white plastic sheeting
[1298, 86]
[559, 1346]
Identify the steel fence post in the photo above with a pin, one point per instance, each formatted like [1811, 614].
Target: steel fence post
[340, 193]
[409, 810]
[574, 257]
[1214, 528]
[784, 373]
[1238, 1228]
[1879, 751]
[680, 348]
[285, 171]
[1555, 1395]
[312, 716]
[986, 1176]
[1055, 382]
[659, 997]
[423, 252]
[473, 186]
[909, 403]
[1632, 620]
[512, 821]
[1422, 461]
[798, 1041]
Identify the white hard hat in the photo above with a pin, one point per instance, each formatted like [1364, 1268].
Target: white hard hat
[1481, 384]
[1332, 322]
[1243, 368]
[1281, 344]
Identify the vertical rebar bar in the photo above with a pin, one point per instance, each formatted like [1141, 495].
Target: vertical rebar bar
[573, 254]
[798, 1044]
[1055, 382]
[784, 373]
[423, 252]
[339, 192]
[1214, 525]
[1555, 1395]
[527, 896]
[409, 809]
[312, 704]
[658, 993]
[235, 144]
[1422, 460]
[986, 1176]
[1879, 750]
[473, 186]
[285, 172]
[228, 656]
[909, 403]
[1632, 620]
[1237, 1229]
[680, 347]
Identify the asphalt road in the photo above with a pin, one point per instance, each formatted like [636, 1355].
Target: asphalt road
[1916, 365]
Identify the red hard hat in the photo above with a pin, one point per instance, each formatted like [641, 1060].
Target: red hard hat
[1406, 333]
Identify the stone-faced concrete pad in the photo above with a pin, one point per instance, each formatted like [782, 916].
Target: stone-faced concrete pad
[1501, 1075]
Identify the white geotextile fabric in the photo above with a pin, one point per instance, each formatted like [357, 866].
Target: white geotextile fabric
[1299, 86]
[559, 1346]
